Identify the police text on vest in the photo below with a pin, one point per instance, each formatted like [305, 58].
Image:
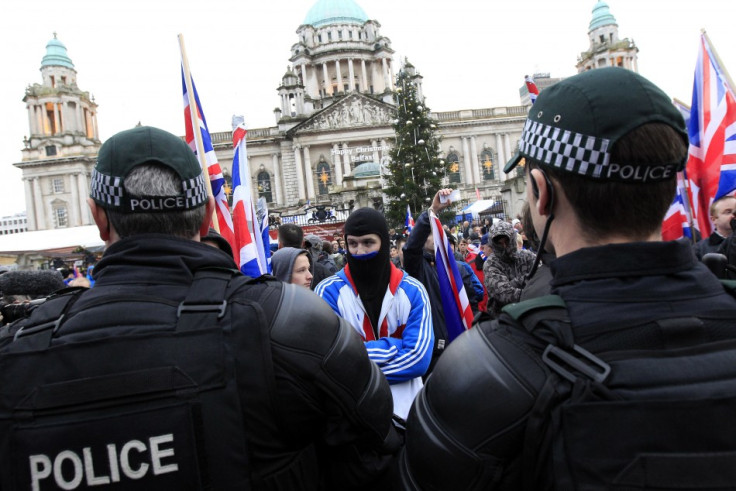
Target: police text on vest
[116, 467]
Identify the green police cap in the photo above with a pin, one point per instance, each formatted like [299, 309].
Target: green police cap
[141, 145]
[574, 124]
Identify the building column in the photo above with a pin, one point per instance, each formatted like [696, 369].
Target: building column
[376, 157]
[299, 172]
[327, 84]
[30, 215]
[500, 160]
[366, 89]
[392, 77]
[474, 162]
[336, 164]
[75, 213]
[38, 204]
[56, 117]
[39, 120]
[466, 161]
[346, 160]
[84, 215]
[384, 67]
[277, 179]
[339, 76]
[351, 74]
[79, 119]
[309, 173]
[31, 121]
[506, 144]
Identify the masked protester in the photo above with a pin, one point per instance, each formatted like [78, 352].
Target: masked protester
[506, 269]
[386, 307]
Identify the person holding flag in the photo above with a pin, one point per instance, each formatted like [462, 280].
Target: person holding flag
[436, 269]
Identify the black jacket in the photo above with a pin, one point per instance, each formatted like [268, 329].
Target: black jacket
[277, 401]
[707, 245]
[424, 270]
[466, 427]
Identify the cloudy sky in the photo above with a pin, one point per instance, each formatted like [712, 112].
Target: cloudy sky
[472, 54]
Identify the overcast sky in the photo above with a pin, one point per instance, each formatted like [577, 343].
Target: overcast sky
[472, 54]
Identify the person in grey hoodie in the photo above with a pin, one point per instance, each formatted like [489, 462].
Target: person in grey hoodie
[292, 265]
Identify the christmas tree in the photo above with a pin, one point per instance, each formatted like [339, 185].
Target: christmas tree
[416, 170]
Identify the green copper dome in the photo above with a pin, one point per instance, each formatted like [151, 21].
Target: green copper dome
[367, 169]
[326, 12]
[56, 55]
[601, 16]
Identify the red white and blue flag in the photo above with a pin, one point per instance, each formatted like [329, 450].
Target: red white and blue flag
[409, 221]
[194, 118]
[531, 87]
[711, 166]
[252, 242]
[677, 221]
[458, 315]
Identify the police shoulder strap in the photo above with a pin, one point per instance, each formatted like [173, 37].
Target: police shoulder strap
[206, 300]
[546, 318]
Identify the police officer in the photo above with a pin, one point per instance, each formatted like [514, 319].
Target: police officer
[176, 372]
[602, 149]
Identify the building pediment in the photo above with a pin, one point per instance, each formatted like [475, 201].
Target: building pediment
[352, 111]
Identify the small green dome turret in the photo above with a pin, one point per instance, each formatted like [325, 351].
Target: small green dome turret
[601, 16]
[56, 55]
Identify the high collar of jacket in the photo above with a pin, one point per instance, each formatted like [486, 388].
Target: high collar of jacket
[633, 259]
[157, 258]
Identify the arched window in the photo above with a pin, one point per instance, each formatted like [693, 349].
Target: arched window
[324, 176]
[453, 167]
[264, 186]
[487, 163]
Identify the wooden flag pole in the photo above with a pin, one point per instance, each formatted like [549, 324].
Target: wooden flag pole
[729, 81]
[195, 128]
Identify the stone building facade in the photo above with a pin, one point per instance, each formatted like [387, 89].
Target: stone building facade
[333, 133]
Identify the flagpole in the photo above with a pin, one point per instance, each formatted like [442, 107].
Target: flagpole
[196, 129]
[731, 86]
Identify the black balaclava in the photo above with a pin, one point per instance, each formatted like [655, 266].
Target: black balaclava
[372, 272]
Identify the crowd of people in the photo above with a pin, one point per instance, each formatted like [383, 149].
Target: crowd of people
[600, 356]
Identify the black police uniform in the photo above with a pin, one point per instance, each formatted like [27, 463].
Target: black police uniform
[150, 383]
[466, 429]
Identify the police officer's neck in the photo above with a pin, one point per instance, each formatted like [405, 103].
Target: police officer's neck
[567, 235]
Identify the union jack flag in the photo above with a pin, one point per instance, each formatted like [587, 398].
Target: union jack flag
[711, 166]
[458, 315]
[217, 180]
[676, 222]
[252, 242]
[531, 87]
[409, 221]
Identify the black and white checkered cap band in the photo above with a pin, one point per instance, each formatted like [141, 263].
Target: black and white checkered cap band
[106, 189]
[567, 150]
[109, 191]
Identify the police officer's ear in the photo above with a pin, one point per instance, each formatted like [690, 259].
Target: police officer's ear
[543, 191]
[100, 217]
[210, 209]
